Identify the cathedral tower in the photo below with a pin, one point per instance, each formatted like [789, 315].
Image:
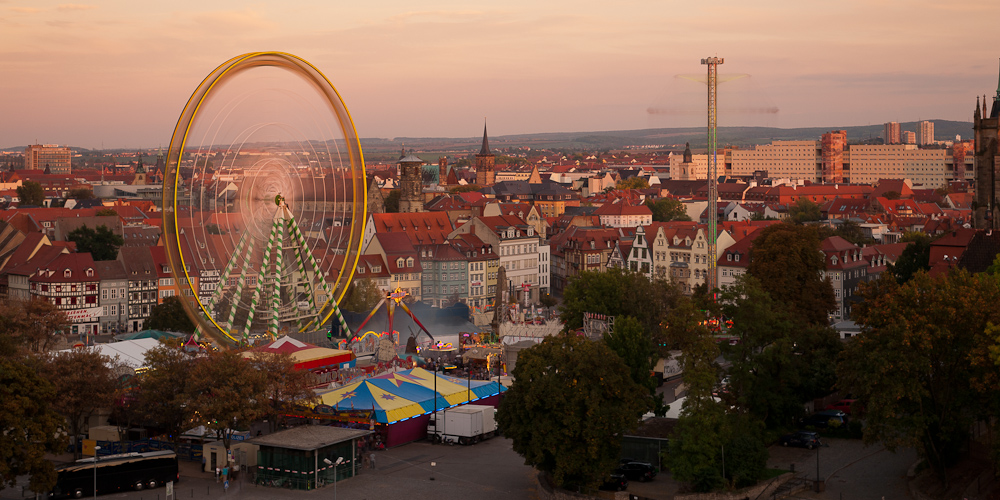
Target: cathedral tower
[485, 175]
[986, 126]
[410, 183]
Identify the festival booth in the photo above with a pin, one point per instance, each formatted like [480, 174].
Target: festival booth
[308, 356]
[398, 404]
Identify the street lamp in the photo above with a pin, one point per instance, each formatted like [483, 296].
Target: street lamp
[96, 449]
[334, 464]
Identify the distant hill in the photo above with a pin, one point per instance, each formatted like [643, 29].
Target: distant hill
[666, 138]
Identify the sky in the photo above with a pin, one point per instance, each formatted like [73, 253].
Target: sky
[117, 73]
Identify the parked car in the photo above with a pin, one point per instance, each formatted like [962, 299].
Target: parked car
[824, 420]
[845, 405]
[803, 439]
[835, 413]
[617, 482]
[637, 471]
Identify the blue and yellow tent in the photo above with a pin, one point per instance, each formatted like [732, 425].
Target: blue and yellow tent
[403, 395]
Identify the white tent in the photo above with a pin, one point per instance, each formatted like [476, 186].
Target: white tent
[132, 353]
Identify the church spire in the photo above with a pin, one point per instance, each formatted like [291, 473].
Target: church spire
[485, 150]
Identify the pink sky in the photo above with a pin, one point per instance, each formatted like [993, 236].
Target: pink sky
[118, 72]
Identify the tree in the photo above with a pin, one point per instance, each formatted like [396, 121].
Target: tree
[286, 387]
[667, 209]
[617, 292]
[804, 210]
[227, 393]
[82, 193]
[163, 390]
[922, 363]
[633, 183]
[31, 426]
[634, 345]
[85, 383]
[915, 257]
[852, 232]
[891, 195]
[548, 300]
[170, 316]
[106, 212]
[570, 403]
[392, 201]
[362, 296]
[102, 244]
[787, 260]
[701, 429]
[31, 193]
[31, 324]
[468, 188]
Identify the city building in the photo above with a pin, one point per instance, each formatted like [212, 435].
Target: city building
[70, 282]
[142, 285]
[48, 156]
[890, 133]
[114, 298]
[833, 145]
[623, 214]
[986, 128]
[846, 268]
[925, 133]
[907, 137]
[411, 169]
[793, 159]
[518, 247]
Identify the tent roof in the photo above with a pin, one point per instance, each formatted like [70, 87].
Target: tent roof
[305, 355]
[130, 352]
[405, 394]
[149, 334]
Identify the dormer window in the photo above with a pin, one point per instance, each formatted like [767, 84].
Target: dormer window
[531, 231]
[834, 260]
[729, 257]
[361, 269]
[399, 262]
[67, 273]
[737, 258]
[90, 273]
[409, 262]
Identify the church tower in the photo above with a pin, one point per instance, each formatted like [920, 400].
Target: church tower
[410, 183]
[986, 127]
[140, 173]
[485, 175]
[443, 171]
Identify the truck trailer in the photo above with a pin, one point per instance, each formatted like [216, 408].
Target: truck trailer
[466, 424]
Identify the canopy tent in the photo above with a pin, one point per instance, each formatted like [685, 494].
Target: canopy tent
[308, 356]
[406, 394]
[149, 334]
[131, 353]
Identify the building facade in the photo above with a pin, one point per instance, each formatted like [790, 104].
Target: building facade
[58, 160]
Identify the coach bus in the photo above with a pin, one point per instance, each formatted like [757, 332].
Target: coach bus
[127, 471]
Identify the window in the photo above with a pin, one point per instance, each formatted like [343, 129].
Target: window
[361, 269]
[67, 273]
[409, 262]
[400, 262]
[104, 295]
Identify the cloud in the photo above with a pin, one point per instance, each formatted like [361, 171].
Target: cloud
[74, 6]
[25, 10]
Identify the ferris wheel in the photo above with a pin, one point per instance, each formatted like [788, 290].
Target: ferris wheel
[264, 199]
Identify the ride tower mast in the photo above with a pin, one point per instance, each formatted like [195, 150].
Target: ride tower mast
[712, 281]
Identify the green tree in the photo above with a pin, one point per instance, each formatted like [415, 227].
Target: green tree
[922, 365]
[31, 193]
[392, 201]
[634, 345]
[163, 396]
[617, 292]
[667, 209]
[286, 387]
[853, 232]
[362, 296]
[787, 260]
[33, 325]
[227, 393]
[570, 403]
[695, 455]
[468, 188]
[632, 183]
[804, 210]
[106, 212]
[102, 244]
[915, 257]
[85, 383]
[31, 424]
[548, 300]
[170, 316]
[83, 193]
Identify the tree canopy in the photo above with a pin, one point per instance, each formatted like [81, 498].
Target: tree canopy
[31, 193]
[170, 316]
[570, 403]
[667, 209]
[163, 390]
[392, 201]
[101, 243]
[632, 183]
[228, 392]
[915, 257]
[85, 383]
[922, 362]
[31, 324]
[362, 296]
[31, 426]
[285, 387]
[787, 260]
[804, 210]
[634, 345]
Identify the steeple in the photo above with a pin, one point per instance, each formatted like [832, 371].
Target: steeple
[485, 150]
[995, 112]
[978, 114]
[139, 169]
[687, 152]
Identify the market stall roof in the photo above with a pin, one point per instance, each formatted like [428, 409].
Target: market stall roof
[405, 394]
[149, 334]
[306, 356]
[309, 437]
[130, 352]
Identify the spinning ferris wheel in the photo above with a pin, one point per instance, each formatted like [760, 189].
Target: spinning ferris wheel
[264, 199]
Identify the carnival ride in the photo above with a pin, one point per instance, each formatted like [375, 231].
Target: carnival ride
[264, 182]
[374, 340]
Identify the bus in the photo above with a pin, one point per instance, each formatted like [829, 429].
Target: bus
[127, 471]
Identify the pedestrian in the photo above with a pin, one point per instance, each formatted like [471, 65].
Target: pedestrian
[371, 458]
[218, 472]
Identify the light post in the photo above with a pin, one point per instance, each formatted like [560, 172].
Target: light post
[96, 449]
[334, 464]
[433, 439]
